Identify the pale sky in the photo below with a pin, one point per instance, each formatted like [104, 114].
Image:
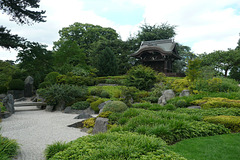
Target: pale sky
[203, 25]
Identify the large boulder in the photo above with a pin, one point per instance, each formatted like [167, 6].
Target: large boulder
[83, 115]
[100, 125]
[28, 86]
[167, 95]
[8, 102]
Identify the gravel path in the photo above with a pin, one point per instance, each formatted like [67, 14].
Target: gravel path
[34, 129]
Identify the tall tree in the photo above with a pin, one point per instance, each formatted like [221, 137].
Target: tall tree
[106, 63]
[36, 60]
[19, 11]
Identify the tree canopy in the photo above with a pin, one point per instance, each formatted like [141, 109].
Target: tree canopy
[21, 13]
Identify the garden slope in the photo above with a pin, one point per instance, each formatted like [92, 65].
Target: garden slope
[34, 129]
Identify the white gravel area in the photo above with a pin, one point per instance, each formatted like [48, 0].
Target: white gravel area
[34, 129]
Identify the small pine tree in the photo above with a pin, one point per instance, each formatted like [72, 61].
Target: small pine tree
[107, 63]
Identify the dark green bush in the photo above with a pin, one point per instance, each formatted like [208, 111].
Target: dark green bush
[169, 107]
[3, 89]
[117, 146]
[16, 84]
[115, 106]
[51, 77]
[141, 77]
[44, 85]
[2, 108]
[80, 105]
[96, 91]
[91, 99]
[57, 93]
[181, 103]
[54, 148]
[94, 105]
[151, 99]
[104, 94]
[8, 148]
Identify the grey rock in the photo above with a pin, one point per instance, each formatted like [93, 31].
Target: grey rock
[89, 111]
[28, 86]
[83, 115]
[60, 106]
[68, 110]
[100, 125]
[49, 108]
[167, 95]
[8, 102]
[194, 107]
[185, 93]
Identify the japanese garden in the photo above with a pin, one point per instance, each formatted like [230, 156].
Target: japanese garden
[145, 98]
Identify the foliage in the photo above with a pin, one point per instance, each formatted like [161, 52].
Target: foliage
[171, 127]
[235, 73]
[220, 147]
[3, 89]
[80, 105]
[89, 123]
[94, 105]
[8, 148]
[7, 70]
[44, 85]
[181, 103]
[106, 62]
[115, 106]
[117, 146]
[193, 69]
[16, 84]
[104, 94]
[54, 148]
[231, 122]
[208, 102]
[105, 114]
[157, 90]
[51, 77]
[141, 77]
[69, 78]
[2, 108]
[179, 85]
[57, 93]
[36, 60]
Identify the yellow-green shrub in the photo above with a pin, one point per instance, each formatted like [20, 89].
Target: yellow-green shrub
[208, 102]
[231, 122]
[179, 85]
[105, 114]
[94, 105]
[89, 123]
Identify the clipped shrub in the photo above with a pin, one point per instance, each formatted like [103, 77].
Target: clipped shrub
[80, 105]
[151, 99]
[141, 77]
[54, 148]
[123, 145]
[181, 103]
[104, 94]
[96, 91]
[16, 84]
[91, 99]
[105, 114]
[115, 106]
[169, 107]
[94, 105]
[64, 92]
[208, 102]
[44, 85]
[89, 123]
[142, 105]
[157, 90]
[3, 89]
[231, 122]
[179, 85]
[8, 148]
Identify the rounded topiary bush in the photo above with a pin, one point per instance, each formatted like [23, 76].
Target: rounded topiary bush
[181, 103]
[3, 89]
[115, 106]
[44, 85]
[104, 94]
[16, 84]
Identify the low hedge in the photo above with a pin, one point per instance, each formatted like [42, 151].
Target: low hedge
[209, 102]
[231, 122]
[117, 146]
[115, 106]
[171, 127]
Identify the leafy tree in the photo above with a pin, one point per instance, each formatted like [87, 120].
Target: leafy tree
[6, 72]
[222, 60]
[20, 13]
[36, 60]
[106, 63]
[193, 69]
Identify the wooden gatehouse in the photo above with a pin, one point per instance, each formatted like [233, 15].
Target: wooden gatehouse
[158, 54]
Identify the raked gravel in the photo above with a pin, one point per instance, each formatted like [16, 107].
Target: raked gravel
[34, 129]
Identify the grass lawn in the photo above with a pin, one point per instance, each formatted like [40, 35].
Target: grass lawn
[221, 147]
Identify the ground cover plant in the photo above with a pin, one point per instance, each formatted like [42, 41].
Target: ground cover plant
[171, 127]
[8, 148]
[118, 146]
[220, 147]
